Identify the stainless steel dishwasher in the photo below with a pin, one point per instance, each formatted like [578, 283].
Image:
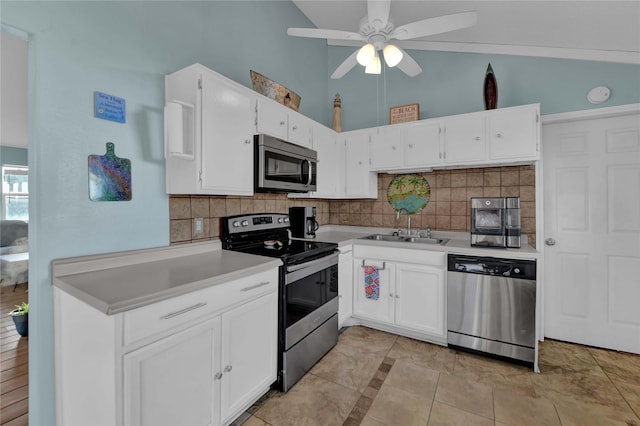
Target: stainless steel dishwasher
[491, 305]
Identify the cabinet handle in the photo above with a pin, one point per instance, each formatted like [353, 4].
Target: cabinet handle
[477, 138]
[384, 264]
[218, 376]
[282, 123]
[251, 287]
[410, 145]
[247, 141]
[393, 148]
[391, 295]
[397, 296]
[183, 311]
[294, 128]
[228, 368]
[498, 135]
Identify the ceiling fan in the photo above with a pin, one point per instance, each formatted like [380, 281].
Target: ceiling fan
[377, 31]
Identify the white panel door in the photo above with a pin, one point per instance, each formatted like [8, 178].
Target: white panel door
[592, 231]
[249, 359]
[171, 381]
[420, 297]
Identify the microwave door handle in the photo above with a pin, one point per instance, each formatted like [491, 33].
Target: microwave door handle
[310, 172]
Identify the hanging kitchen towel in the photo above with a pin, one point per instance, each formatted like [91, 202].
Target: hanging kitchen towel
[371, 282]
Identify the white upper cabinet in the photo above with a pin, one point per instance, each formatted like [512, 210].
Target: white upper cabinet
[283, 123]
[214, 153]
[514, 134]
[330, 180]
[495, 137]
[360, 181]
[421, 143]
[464, 140]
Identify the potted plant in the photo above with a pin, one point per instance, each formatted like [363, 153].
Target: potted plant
[20, 317]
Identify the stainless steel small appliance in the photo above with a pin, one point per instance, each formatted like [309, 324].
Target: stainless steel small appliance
[282, 166]
[308, 289]
[491, 305]
[303, 222]
[495, 222]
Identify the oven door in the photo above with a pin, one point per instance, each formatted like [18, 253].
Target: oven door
[310, 296]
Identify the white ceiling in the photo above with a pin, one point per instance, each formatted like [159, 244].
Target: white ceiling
[589, 30]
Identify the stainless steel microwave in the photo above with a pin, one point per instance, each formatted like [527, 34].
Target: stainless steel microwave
[281, 166]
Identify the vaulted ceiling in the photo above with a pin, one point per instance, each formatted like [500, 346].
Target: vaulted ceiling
[589, 30]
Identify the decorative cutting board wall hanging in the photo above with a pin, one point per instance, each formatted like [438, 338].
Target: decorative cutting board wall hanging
[109, 176]
[408, 193]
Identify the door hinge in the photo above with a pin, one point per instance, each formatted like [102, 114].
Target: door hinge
[200, 175]
[537, 118]
[200, 84]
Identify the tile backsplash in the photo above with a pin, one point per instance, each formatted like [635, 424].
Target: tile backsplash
[448, 208]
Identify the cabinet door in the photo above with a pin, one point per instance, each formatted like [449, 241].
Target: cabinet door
[171, 381]
[249, 353]
[386, 148]
[513, 134]
[300, 129]
[227, 138]
[272, 119]
[345, 287]
[464, 140]
[419, 296]
[359, 181]
[382, 308]
[421, 144]
[330, 162]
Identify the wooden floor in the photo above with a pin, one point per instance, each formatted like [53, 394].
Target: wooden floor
[14, 360]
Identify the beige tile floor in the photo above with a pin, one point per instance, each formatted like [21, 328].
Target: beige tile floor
[372, 378]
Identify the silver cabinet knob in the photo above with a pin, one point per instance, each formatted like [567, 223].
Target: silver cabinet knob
[228, 368]
[550, 242]
[282, 123]
[498, 135]
[218, 376]
[477, 138]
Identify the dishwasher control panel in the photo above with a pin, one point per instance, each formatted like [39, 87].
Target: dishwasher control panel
[516, 268]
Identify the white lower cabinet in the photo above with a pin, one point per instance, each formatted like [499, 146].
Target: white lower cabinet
[411, 297]
[345, 285]
[200, 358]
[172, 382]
[249, 354]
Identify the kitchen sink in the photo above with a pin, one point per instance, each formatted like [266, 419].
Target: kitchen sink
[406, 239]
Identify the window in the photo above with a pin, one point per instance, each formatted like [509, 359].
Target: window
[15, 192]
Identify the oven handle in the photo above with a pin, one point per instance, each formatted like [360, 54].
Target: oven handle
[310, 178]
[296, 272]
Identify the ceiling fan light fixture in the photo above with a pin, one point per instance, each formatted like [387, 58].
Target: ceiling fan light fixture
[392, 55]
[366, 54]
[375, 67]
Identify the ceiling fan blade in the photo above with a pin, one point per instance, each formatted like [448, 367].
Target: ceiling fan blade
[378, 12]
[322, 33]
[345, 66]
[408, 65]
[431, 26]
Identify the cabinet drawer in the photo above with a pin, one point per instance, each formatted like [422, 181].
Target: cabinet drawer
[178, 311]
[422, 257]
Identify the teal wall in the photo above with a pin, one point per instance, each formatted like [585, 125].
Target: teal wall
[13, 156]
[451, 83]
[125, 49]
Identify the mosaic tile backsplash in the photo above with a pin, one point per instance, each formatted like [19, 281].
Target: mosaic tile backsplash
[448, 208]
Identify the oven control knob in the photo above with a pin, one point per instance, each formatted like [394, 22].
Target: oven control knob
[286, 220]
[516, 270]
[245, 223]
[236, 224]
[279, 220]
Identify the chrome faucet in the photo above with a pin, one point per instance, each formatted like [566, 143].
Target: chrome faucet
[408, 219]
[427, 232]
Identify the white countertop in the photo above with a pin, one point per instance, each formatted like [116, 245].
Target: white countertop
[118, 282]
[459, 242]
